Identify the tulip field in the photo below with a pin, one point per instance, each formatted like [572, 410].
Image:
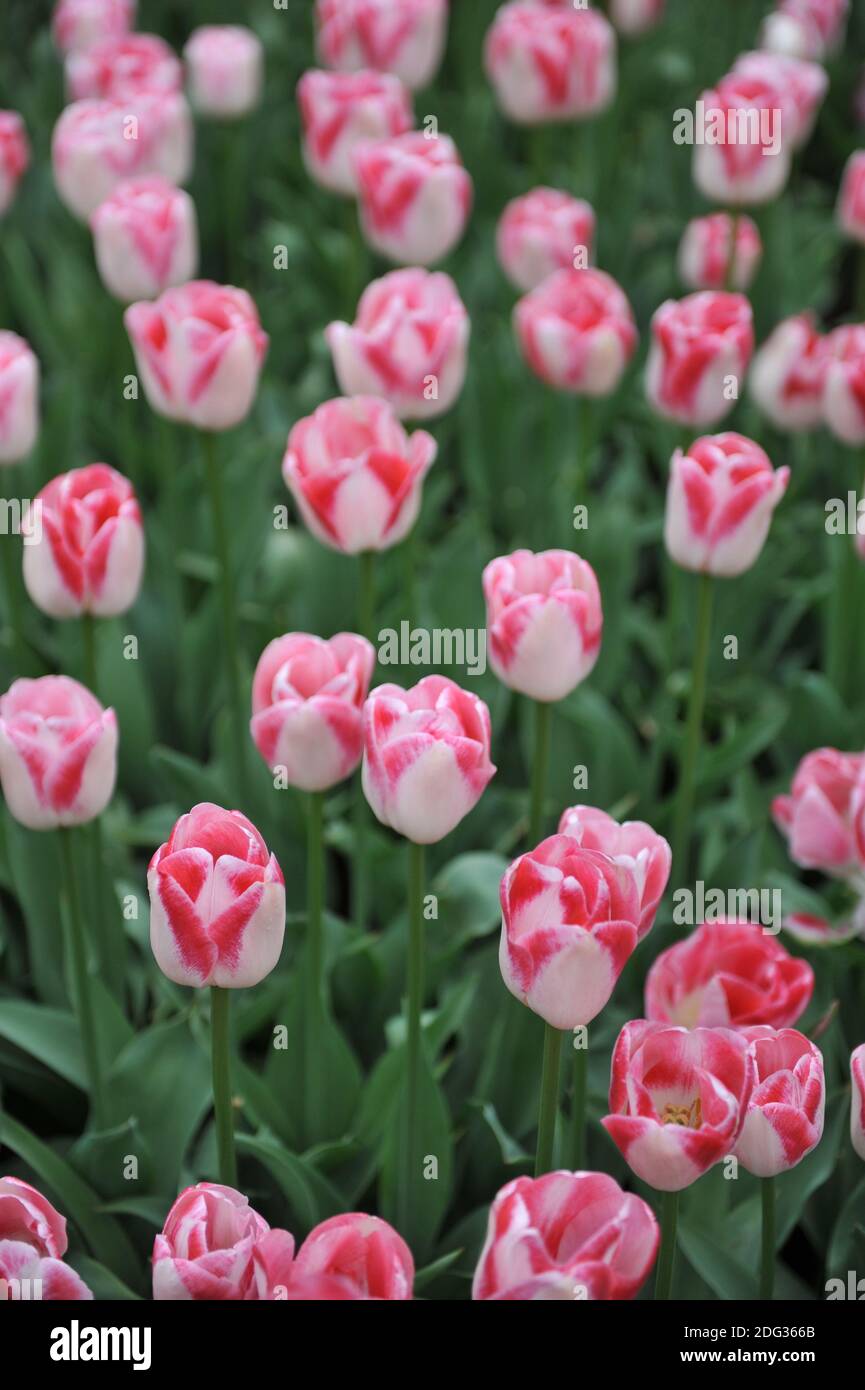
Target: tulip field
[432, 688]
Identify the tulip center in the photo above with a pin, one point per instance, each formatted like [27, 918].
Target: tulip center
[690, 1116]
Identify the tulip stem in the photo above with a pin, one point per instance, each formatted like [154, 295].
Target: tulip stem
[313, 1083]
[540, 765]
[11, 563]
[228, 604]
[730, 267]
[409, 1167]
[549, 1100]
[79, 967]
[667, 1257]
[366, 626]
[693, 731]
[767, 1258]
[221, 1071]
[578, 1108]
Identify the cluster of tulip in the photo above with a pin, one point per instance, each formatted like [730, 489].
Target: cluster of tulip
[715, 1069]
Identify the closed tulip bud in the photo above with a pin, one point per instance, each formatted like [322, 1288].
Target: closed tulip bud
[341, 110]
[570, 921]
[633, 844]
[857, 1100]
[88, 554]
[199, 349]
[403, 37]
[355, 474]
[746, 157]
[844, 383]
[206, 1249]
[225, 65]
[97, 145]
[787, 374]
[23, 1270]
[19, 398]
[577, 331]
[805, 28]
[720, 499]
[820, 818]
[145, 237]
[426, 756]
[14, 156]
[77, 24]
[633, 17]
[414, 196]
[851, 199]
[544, 621]
[408, 344]
[25, 1215]
[362, 1249]
[704, 252]
[217, 901]
[123, 68]
[58, 752]
[678, 1100]
[566, 1235]
[550, 63]
[810, 930]
[802, 86]
[541, 232]
[728, 975]
[307, 697]
[784, 1119]
[701, 347]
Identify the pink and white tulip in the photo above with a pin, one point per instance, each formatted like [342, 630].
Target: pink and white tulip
[403, 37]
[27, 1216]
[362, 1250]
[307, 697]
[633, 844]
[123, 68]
[784, 1119]
[206, 1249]
[77, 24]
[704, 252]
[355, 474]
[857, 1099]
[225, 68]
[805, 28]
[14, 156]
[58, 752]
[541, 232]
[19, 398]
[426, 756]
[570, 922]
[550, 63]
[566, 1235]
[851, 199]
[720, 499]
[844, 383]
[408, 344]
[821, 819]
[700, 351]
[544, 621]
[93, 148]
[414, 196]
[787, 374]
[199, 349]
[634, 17]
[802, 85]
[341, 110]
[577, 331]
[145, 236]
[746, 159]
[26, 1275]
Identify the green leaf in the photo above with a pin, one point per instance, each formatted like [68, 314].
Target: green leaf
[310, 1196]
[49, 1035]
[716, 1265]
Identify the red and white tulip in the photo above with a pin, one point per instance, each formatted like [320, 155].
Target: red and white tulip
[362, 1250]
[787, 374]
[857, 1099]
[550, 63]
[145, 237]
[225, 68]
[822, 818]
[14, 156]
[737, 171]
[633, 844]
[403, 37]
[19, 398]
[802, 85]
[577, 331]
[805, 28]
[77, 24]
[844, 383]
[851, 199]
[541, 232]
[341, 110]
[704, 252]
[98, 144]
[206, 1249]
[414, 196]
[784, 1119]
[700, 351]
[123, 68]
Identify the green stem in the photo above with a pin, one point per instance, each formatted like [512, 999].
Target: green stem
[366, 627]
[314, 1001]
[578, 1109]
[667, 1257]
[80, 972]
[583, 449]
[540, 765]
[366, 594]
[88, 653]
[767, 1256]
[11, 563]
[221, 1070]
[410, 1155]
[549, 1100]
[228, 605]
[730, 267]
[694, 728]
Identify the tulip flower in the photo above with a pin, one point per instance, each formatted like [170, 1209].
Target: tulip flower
[414, 196]
[844, 383]
[857, 1100]
[77, 24]
[805, 28]
[822, 818]
[750, 162]
[802, 86]
[701, 347]
[206, 1249]
[25, 1215]
[224, 63]
[145, 237]
[635, 17]
[708, 257]
[550, 63]
[340, 110]
[851, 199]
[361, 1249]
[634, 845]
[566, 1235]
[787, 374]
[14, 156]
[728, 975]
[541, 232]
[403, 37]
[19, 398]
[32, 1243]
[577, 331]
[123, 67]
[810, 930]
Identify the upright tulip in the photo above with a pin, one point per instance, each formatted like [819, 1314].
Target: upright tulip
[701, 346]
[787, 374]
[802, 86]
[19, 398]
[634, 845]
[577, 331]
[805, 28]
[844, 383]
[363, 1250]
[857, 1100]
[403, 37]
[541, 232]
[145, 237]
[704, 252]
[414, 196]
[77, 24]
[123, 67]
[93, 149]
[206, 1249]
[339, 111]
[14, 156]
[750, 162]
[851, 199]
[225, 66]
[550, 63]
[784, 1119]
[822, 818]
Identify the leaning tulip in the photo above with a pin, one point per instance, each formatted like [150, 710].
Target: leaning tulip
[550, 63]
[14, 156]
[720, 499]
[25, 1275]
[704, 252]
[199, 349]
[403, 37]
[363, 1250]
[634, 17]
[123, 68]
[844, 383]
[206, 1249]
[145, 237]
[340, 110]
[541, 232]
[784, 1119]
[787, 374]
[802, 87]
[857, 1100]
[728, 975]
[566, 1235]
[19, 398]
[701, 347]
[224, 63]
[89, 557]
[633, 844]
[821, 818]
[414, 196]
[76, 24]
[750, 162]
[544, 621]
[356, 476]
[25, 1215]
[408, 344]
[851, 199]
[805, 28]
[577, 331]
